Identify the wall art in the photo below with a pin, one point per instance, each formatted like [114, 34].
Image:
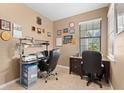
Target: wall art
[5, 25]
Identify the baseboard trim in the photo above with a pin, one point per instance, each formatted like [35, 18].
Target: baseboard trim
[111, 85]
[8, 83]
[66, 67]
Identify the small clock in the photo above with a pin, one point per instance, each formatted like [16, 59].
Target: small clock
[71, 24]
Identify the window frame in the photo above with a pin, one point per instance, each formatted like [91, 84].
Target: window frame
[112, 21]
[85, 37]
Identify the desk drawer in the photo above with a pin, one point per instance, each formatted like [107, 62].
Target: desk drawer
[75, 65]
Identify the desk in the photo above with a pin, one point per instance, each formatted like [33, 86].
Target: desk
[76, 67]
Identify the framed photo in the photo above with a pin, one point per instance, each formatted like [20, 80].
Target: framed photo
[43, 30]
[67, 39]
[5, 25]
[49, 34]
[39, 21]
[59, 32]
[39, 30]
[65, 30]
[71, 30]
[33, 28]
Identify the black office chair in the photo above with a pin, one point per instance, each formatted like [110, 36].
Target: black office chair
[50, 64]
[92, 66]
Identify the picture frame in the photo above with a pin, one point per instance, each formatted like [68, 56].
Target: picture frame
[49, 34]
[67, 39]
[65, 30]
[71, 31]
[43, 30]
[5, 25]
[33, 28]
[39, 21]
[39, 30]
[59, 32]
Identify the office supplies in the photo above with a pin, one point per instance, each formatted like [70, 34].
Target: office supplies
[29, 58]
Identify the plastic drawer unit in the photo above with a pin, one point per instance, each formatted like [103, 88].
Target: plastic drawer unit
[28, 75]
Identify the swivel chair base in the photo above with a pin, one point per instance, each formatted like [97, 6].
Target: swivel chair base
[48, 75]
[92, 79]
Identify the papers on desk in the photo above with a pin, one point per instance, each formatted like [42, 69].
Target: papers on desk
[28, 58]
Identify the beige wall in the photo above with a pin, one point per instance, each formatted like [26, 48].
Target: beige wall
[69, 49]
[26, 17]
[117, 74]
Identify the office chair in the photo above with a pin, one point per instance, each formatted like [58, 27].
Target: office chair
[50, 64]
[92, 66]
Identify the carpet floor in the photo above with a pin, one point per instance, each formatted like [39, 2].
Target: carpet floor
[65, 81]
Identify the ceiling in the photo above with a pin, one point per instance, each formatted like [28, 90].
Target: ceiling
[56, 11]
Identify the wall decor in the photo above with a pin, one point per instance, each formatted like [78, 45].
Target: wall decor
[39, 21]
[17, 30]
[59, 32]
[5, 25]
[58, 41]
[43, 30]
[5, 35]
[65, 30]
[71, 24]
[67, 39]
[71, 30]
[33, 28]
[49, 34]
[39, 30]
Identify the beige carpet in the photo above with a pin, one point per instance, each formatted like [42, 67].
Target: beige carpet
[66, 82]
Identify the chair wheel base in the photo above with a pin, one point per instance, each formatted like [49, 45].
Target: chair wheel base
[94, 82]
[40, 76]
[56, 73]
[100, 86]
[45, 81]
[56, 78]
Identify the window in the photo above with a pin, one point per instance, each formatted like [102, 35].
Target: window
[111, 31]
[90, 35]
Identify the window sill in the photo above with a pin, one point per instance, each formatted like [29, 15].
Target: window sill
[111, 58]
